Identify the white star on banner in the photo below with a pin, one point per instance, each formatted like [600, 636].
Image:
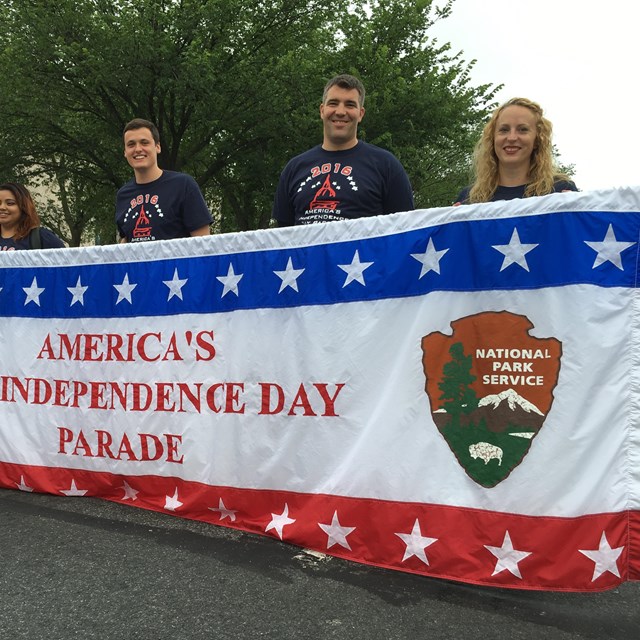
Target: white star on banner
[33, 293]
[172, 503]
[289, 277]
[224, 512]
[124, 290]
[609, 249]
[77, 292]
[508, 557]
[129, 492]
[337, 533]
[416, 543]
[74, 491]
[23, 486]
[605, 558]
[230, 281]
[355, 270]
[430, 259]
[514, 252]
[175, 285]
[280, 521]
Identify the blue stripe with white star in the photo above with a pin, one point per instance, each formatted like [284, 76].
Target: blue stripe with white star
[524, 252]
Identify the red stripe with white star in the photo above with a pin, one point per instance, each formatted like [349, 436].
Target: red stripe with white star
[588, 553]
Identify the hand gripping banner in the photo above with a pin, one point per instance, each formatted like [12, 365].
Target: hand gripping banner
[449, 392]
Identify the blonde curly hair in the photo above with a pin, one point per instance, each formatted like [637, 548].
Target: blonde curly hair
[543, 171]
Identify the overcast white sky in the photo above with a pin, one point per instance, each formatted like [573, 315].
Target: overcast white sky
[579, 59]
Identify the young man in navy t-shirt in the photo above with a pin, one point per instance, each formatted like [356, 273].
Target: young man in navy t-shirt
[343, 177]
[157, 204]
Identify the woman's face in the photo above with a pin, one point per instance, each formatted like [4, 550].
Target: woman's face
[515, 136]
[9, 210]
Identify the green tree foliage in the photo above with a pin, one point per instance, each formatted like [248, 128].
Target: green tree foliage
[566, 169]
[234, 87]
[421, 104]
[457, 393]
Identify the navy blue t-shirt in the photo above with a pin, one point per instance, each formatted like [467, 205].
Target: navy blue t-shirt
[48, 240]
[170, 207]
[321, 186]
[511, 193]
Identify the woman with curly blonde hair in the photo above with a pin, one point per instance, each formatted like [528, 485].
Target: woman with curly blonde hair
[514, 156]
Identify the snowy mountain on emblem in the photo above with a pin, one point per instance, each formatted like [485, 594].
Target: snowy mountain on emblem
[512, 399]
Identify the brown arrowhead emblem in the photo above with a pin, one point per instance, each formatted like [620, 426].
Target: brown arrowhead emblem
[490, 385]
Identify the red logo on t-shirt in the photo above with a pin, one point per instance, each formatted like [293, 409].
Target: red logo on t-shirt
[325, 191]
[143, 226]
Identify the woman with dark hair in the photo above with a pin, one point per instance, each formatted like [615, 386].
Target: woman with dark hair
[514, 156]
[20, 223]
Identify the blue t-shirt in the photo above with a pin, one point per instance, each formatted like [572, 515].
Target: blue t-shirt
[511, 193]
[48, 240]
[321, 186]
[170, 207]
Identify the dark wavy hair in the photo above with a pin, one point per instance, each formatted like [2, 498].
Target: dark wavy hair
[141, 123]
[29, 218]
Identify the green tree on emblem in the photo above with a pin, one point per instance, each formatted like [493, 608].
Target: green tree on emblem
[459, 398]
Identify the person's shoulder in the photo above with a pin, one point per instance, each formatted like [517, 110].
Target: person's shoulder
[463, 196]
[373, 150]
[309, 153]
[378, 156]
[310, 156]
[364, 146]
[50, 240]
[564, 184]
[175, 176]
[176, 180]
[127, 186]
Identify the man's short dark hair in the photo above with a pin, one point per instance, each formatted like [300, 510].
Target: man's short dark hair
[140, 123]
[344, 81]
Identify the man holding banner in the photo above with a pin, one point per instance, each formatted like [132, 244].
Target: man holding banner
[344, 177]
[156, 204]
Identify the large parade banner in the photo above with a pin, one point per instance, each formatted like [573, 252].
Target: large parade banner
[451, 392]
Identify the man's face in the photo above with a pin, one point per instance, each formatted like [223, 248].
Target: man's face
[140, 150]
[341, 113]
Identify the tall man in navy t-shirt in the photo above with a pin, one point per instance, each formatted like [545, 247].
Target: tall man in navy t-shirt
[343, 177]
[157, 204]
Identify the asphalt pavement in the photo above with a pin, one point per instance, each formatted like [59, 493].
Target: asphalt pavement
[86, 568]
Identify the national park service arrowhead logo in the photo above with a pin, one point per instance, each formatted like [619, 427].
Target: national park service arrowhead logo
[490, 385]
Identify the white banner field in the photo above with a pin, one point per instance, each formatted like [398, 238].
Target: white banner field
[451, 392]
